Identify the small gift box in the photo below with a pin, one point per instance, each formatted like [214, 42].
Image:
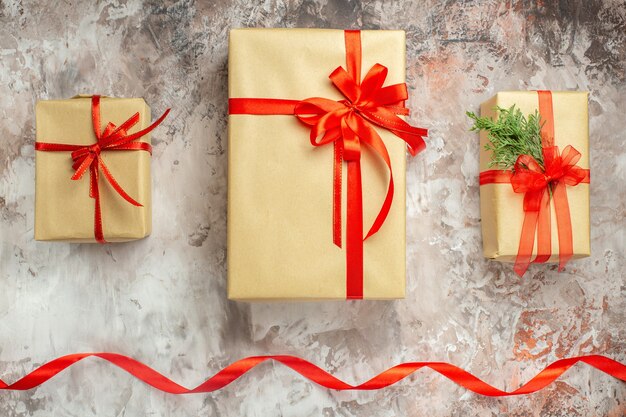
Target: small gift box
[93, 169]
[315, 133]
[536, 210]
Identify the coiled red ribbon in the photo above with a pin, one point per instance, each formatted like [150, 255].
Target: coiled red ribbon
[346, 123]
[537, 183]
[316, 374]
[89, 157]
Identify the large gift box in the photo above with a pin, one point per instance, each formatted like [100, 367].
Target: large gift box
[286, 199]
[93, 169]
[556, 229]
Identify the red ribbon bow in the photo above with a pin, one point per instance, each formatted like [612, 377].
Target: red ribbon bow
[538, 184]
[533, 180]
[88, 157]
[346, 123]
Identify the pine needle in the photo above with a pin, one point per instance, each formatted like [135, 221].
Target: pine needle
[510, 136]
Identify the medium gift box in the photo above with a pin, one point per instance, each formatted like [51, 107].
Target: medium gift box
[317, 154]
[92, 169]
[539, 210]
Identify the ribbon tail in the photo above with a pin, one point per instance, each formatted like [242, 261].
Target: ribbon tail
[94, 192]
[564, 224]
[369, 135]
[143, 132]
[544, 231]
[337, 188]
[384, 210]
[527, 238]
[524, 252]
[354, 233]
[116, 186]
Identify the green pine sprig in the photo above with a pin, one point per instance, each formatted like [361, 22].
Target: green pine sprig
[510, 136]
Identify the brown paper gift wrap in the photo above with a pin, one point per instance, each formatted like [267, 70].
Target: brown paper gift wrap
[280, 243]
[502, 210]
[63, 209]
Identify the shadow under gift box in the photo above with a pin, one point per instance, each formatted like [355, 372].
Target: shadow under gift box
[280, 187]
[63, 209]
[502, 213]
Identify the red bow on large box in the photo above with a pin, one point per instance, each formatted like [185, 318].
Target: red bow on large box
[346, 124]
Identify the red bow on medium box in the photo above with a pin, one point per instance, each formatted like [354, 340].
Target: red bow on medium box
[346, 124]
[540, 184]
[90, 157]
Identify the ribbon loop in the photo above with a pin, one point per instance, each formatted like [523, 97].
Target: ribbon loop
[345, 84]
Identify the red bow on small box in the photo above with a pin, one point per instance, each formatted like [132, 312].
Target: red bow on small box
[88, 157]
[539, 184]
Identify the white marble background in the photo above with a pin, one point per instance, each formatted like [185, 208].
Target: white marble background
[162, 300]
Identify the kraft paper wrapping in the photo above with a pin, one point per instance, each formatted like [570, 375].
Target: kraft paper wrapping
[63, 209]
[280, 186]
[502, 209]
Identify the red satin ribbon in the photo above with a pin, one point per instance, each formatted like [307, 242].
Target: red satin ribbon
[89, 157]
[316, 374]
[539, 184]
[346, 124]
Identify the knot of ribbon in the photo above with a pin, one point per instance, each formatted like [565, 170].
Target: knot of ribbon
[534, 181]
[89, 157]
[365, 104]
[540, 184]
[347, 123]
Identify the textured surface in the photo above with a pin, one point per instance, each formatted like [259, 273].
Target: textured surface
[162, 300]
